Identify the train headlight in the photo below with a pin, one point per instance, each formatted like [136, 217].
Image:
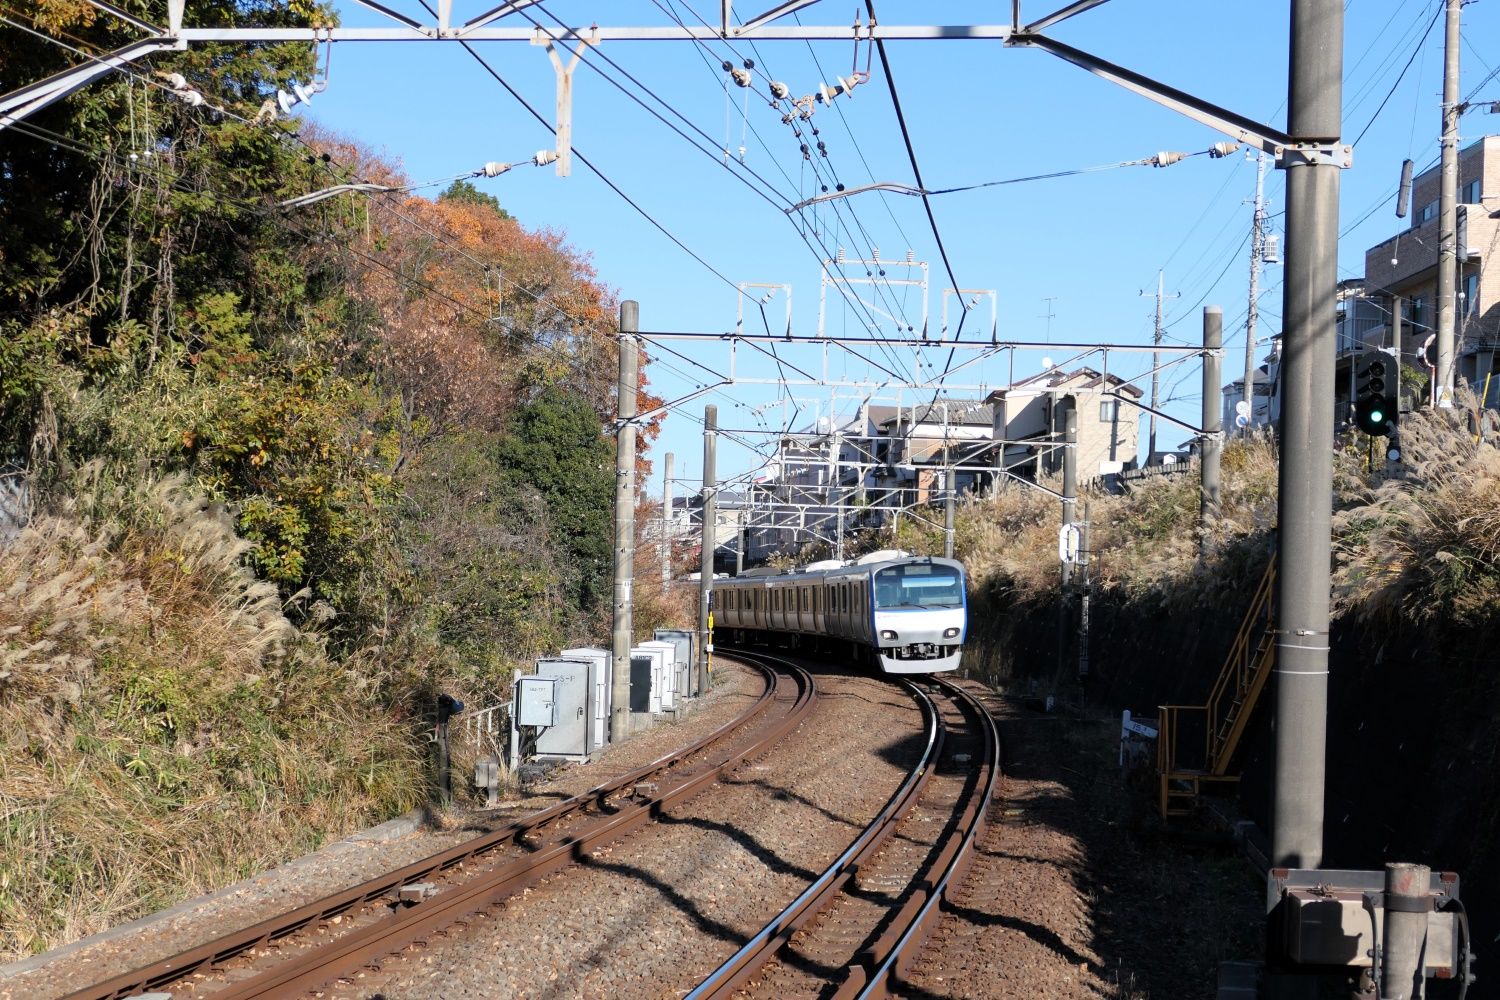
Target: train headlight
[886, 633]
[950, 633]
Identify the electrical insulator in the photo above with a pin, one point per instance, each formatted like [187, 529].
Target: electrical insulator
[742, 77]
[1220, 149]
[544, 157]
[839, 256]
[1166, 158]
[493, 169]
[780, 91]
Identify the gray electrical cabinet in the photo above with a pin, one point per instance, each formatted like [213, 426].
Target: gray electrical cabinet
[570, 737]
[664, 679]
[536, 701]
[602, 684]
[683, 639]
[643, 664]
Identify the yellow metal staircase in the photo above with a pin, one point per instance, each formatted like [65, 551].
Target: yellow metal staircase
[1181, 770]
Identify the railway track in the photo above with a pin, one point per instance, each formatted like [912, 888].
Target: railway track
[315, 944]
[854, 931]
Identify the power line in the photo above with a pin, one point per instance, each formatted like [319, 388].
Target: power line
[1401, 76]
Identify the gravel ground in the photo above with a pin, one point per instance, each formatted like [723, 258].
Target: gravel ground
[652, 915]
[817, 955]
[352, 861]
[1069, 897]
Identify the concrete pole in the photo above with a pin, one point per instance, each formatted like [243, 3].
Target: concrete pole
[1213, 423]
[1403, 943]
[1315, 95]
[666, 522]
[710, 541]
[948, 500]
[1447, 267]
[1155, 373]
[1252, 314]
[1084, 593]
[1069, 505]
[1393, 446]
[1070, 465]
[625, 408]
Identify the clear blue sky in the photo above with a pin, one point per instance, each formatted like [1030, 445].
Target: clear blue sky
[976, 111]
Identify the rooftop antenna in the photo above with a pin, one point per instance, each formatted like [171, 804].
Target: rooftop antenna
[1049, 315]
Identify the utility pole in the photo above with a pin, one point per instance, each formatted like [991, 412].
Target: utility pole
[625, 406]
[710, 542]
[1257, 250]
[1306, 475]
[1069, 507]
[948, 491]
[1447, 268]
[1393, 446]
[1085, 590]
[666, 522]
[1213, 437]
[1156, 365]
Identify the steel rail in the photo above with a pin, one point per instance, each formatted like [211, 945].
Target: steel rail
[370, 944]
[763, 946]
[418, 917]
[899, 945]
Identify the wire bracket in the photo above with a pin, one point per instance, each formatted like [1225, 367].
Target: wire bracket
[564, 94]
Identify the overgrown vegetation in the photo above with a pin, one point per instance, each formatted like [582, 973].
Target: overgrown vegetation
[1423, 545]
[290, 472]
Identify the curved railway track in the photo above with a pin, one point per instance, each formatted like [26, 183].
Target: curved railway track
[857, 927]
[449, 888]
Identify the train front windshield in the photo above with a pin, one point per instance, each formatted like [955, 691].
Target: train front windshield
[918, 585]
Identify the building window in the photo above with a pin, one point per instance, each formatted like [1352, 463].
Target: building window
[1471, 295]
[1419, 313]
[1427, 212]
[1109, 411]
[1469, 193]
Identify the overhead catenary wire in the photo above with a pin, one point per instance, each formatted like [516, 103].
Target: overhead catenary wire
[1401, 76]
[868, 320]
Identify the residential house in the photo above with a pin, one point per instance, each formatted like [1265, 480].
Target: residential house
[1406, 265]
[1028, 421]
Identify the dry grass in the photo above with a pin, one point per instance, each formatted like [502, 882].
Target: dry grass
[165, 729]
[1142, 541]
[1429, 543]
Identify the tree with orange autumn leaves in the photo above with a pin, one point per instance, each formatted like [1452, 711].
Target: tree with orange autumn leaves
[475, 311]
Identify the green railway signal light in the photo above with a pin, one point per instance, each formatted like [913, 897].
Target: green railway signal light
[1375, 382]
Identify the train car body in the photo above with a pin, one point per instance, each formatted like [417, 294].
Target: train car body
[904, 614]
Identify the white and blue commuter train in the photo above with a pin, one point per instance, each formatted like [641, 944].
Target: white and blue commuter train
[902, 614]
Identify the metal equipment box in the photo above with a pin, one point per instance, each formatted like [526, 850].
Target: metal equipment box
[536, 701]
[1329, 917]
[684, 640]
[642, 690]
[649, 668]
[603, 689]
[666, 680]
[569, 737]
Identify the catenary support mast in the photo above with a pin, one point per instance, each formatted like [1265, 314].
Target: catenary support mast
[1306, 476]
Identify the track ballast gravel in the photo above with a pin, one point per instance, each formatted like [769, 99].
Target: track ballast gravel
[653, 915]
